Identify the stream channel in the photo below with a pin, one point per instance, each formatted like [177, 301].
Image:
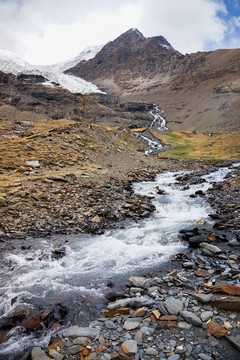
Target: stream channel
[30, 276]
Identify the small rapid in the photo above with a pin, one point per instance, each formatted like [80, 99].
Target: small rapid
[31, 275]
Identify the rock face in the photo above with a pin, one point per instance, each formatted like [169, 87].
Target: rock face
[24, 100]
[197, 91]
[125, 58]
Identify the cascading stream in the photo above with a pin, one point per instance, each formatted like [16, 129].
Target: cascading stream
[33, 277]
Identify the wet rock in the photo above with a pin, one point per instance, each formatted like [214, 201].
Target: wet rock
[32, 323]
[194, 242]
[76, 331]
[135, 302]
[214, 249]
[19, 312]
[130, 347]
[114, 295]
[191, 318]
[138, 281]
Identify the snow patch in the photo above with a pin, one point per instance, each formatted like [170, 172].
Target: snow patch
[11, 64]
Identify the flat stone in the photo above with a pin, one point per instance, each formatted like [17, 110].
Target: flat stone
[214, 249]
[132, 323]
[151, 351]
[39, 354]
[173, 306]
[191, 318]
[76, 331]
[140, 312]
[204, 298]
[135, 302]
[206, 315]
[147, 330]
[110, 325]
[184, 325]
[130, 347]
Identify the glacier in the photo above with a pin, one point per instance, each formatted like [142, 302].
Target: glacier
[12, 64]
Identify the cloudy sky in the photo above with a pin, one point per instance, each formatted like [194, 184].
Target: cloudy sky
[49, 31]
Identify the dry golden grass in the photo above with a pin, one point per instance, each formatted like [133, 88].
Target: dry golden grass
[198, 145]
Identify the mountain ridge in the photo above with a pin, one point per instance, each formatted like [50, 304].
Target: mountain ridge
[187, 87]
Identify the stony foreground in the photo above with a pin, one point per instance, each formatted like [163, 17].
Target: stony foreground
[188, 312]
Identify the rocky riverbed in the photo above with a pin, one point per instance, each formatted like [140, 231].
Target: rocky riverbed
[187, 309]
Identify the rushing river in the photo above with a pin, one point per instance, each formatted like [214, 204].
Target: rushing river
[30, 276]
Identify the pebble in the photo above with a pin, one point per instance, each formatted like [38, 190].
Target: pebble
[130, 347]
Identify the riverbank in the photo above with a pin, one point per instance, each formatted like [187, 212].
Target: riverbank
[176, 286]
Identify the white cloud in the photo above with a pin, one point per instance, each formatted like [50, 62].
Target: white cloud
[48, 31]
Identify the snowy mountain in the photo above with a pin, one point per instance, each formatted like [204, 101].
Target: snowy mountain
[11, 64]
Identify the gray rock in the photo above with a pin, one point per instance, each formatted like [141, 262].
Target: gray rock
[56, 355]
[72, 350]
[76, 331]
[162, 308]
[134, 302]
[173, 306]
[132, 323]
[138, 281]
[191, 318]
[174, 357]
[151, 351]
[204, 298]
[204, 356]
[206, 315]
[147, 330]
[188, 264]
[235, 341]
[153, 289]
[109, 324]
[20, 311]
[184, 325]
[214, 249]
[172, 343]
[39, 354]
[130, 347]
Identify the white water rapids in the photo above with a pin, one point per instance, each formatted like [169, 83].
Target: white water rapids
[31, 276]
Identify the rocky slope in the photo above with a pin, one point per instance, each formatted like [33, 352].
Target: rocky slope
[26, 98]
[197, 91]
